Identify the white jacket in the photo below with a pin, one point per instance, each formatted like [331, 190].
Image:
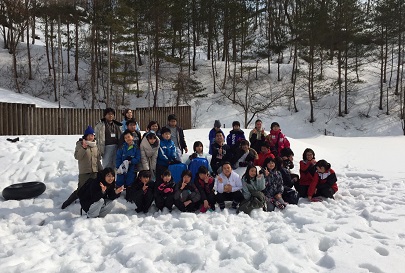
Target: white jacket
[234, 180]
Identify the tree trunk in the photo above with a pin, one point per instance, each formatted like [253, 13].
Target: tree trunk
[29, 52]
[47, 46]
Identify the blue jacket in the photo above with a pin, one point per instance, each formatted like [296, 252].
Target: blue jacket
[211, 137]
[167, 152]
[128, 152]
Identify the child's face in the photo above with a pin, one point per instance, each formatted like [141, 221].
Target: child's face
[129, 139]
[131, 127]
[258, 125]
[219, 138]
[271, 165]
[253, 172]
[152, 140]
[109, 178]
[275, 128]
[320, 169]
[166, 178]
[245, 148]
[227, 169]
[264, 149]
[166, 135]
[199, 149]
[202, 176]
[236, 127]
[186, 179]
[145, 180]
[90, 137]
[309, 156]
[172, 123]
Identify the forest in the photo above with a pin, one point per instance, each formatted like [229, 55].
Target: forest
[105, 50]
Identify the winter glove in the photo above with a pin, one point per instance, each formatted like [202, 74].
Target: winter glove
[168, 190]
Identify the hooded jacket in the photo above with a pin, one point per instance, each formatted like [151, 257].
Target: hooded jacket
[149, 154]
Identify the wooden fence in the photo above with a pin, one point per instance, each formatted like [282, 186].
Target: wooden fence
[26, 119]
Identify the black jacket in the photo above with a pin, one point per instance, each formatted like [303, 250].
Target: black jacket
[91, 192]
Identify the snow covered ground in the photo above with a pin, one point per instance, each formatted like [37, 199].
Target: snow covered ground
[360, 231]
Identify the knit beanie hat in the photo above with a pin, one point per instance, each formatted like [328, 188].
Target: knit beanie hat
[88, 131]
[217, 124]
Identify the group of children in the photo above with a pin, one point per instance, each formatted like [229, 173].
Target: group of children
[141, 170]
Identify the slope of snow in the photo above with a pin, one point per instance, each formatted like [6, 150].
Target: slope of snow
[360, 231]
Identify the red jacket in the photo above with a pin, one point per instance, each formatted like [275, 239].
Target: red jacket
[323, 180]
[307, 170]
[262, 158]
[277, 141]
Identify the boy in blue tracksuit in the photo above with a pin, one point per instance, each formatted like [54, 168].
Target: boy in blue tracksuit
[130, 152]
[167, 152]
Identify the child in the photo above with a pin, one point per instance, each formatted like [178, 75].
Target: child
[167, 152]
[164, 191]
[143, 191]
[236, 135]
[128, 156]
[97, 195]
[257, 136]
[198, 153]
[274, 185]
[307, 171]
[289, 195]
[205, 185]
[253, 185]
[244, 155]
[213, 132]
[324, 182]
[177, 136]
[221, 152]
[264, 153]
[186, 195]
[149, 152]
[89, 161]
[228, 186]
[277, 139]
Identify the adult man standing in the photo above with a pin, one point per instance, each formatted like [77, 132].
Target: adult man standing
[108, 132]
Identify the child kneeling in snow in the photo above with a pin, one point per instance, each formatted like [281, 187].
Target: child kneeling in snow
[274, 185]
[97, 195]
[186, 195]
[324, 182]
[164, 191]
[143, 191]
[253, 184]
[205, 185]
